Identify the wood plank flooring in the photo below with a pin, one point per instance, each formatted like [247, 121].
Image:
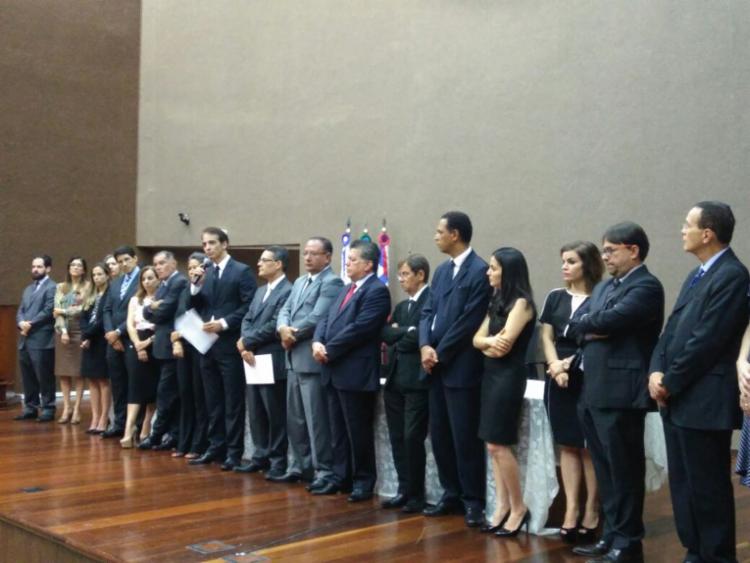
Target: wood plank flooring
[128, 505]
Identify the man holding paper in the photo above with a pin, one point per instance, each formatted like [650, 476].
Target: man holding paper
[266, 402]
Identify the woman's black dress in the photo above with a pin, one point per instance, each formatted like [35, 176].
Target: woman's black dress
[503, 387]
[94, 358]
[561, 402]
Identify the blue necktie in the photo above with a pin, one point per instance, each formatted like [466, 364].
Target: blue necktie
[697, 277]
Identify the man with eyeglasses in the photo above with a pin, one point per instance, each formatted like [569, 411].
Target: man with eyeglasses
[617, 336]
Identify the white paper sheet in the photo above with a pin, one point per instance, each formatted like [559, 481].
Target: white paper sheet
[534, 389]
[190, 326]
[262, 372]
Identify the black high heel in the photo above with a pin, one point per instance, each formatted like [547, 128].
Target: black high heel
[488, 528]
[569, 535]
[586, 535]
[506, 533]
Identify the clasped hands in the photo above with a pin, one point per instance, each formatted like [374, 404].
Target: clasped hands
[657, 390]
[287, 334]
[558, 370]
[247, 356]
[319, 352]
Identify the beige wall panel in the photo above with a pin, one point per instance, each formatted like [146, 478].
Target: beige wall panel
[545, 121]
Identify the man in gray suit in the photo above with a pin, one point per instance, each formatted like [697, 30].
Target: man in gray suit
[36, 343]
[308, 427]
[266, 403]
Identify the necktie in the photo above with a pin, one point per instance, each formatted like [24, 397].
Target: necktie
[616, 282]
[453, 268]
[37, 283]
[409, 306]
[124, 286]
[349, 294]
[268, 292]
[697, 277]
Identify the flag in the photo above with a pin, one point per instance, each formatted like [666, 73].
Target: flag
[384, 243]
[346, 240]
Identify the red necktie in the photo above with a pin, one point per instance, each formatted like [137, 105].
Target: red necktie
[348, 295]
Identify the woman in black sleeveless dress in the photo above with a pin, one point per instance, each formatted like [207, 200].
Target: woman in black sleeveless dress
[582, 269]
[503, 338]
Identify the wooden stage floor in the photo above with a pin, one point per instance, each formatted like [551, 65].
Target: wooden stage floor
[106, 503]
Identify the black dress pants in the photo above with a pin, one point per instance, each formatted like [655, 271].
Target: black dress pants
[224, 384]
[38, 374]
[118, 376]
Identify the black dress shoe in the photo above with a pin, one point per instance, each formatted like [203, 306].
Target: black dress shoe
[317, 484]
[249, 467]
[167, 445]
[27, 415]
[113, 433]
[444, 508]
[413, 506]
[592, 550]
[146, 444]
[285, 478]
[474, 517]
[205, 459]
[394, 502]
[46, 417]
[330, 488]
[631, 555]
[359, 495]
[229, 464]
[274, 474]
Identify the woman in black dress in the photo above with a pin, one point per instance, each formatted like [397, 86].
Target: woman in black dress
[503, 338]
[582, 269]
[94, 358]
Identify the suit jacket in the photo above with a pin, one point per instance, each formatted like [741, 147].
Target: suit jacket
[351, 335]
[92, 325]
[259, 325]
[615, 368]
[163, 317]
[36, 307]
[404, 361]
[699, 347]
[303, 311]
[457, 306]
[227, 298]
[116, 309]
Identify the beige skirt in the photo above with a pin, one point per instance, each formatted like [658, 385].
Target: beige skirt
[68, 356]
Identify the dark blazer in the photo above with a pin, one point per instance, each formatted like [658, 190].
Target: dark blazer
[699, 347]
[91, 329]
[352, 337]
[259, 325]
[458, 307]
[116, 309]
[615, 370]
[404, 361]
[36, 307]
[163, 317]
[227, 299]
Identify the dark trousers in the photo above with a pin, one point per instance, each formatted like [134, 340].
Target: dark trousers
[701, 487]
[167, 402]
[459, 453]
[407, 413]
[358, 409]
[224, 384]
[38, 374]
[342, 464]
[266, 405]
[193, 416]
[615, 440]
[118, 376]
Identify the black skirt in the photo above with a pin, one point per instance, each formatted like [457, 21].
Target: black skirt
[143, 377]
[94, 358]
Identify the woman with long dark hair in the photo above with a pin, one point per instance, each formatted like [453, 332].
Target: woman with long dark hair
[582, 269]
[94, 346]
[503, 338]
[69, 299]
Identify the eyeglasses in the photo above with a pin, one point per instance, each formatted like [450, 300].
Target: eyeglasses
[313, 253]
[267, 260]
[610, 250]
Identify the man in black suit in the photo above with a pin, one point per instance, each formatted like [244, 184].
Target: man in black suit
[115, 316]
[694, 381]
[221, 297]
[457, 304]
[347, 344]
[618, 335]
[36, 343]
[406, 395]
[162, 313]
[266, 403]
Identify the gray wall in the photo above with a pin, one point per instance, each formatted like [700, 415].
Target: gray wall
[545, 121]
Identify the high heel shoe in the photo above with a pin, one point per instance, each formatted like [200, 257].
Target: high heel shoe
[586, 535]
[127, 443]
[76, 418]
[569, 535]
[64, 419]
[506, 533]
[488, 528]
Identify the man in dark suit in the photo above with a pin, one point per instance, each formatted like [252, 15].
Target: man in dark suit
[347, 344]
[115, 316]
[457, 304]
[694, 381]
[308, 427]
[36, 343]
[406, 394]
[222, 297]
[162, 313]
[618, 335]
[266, 403]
